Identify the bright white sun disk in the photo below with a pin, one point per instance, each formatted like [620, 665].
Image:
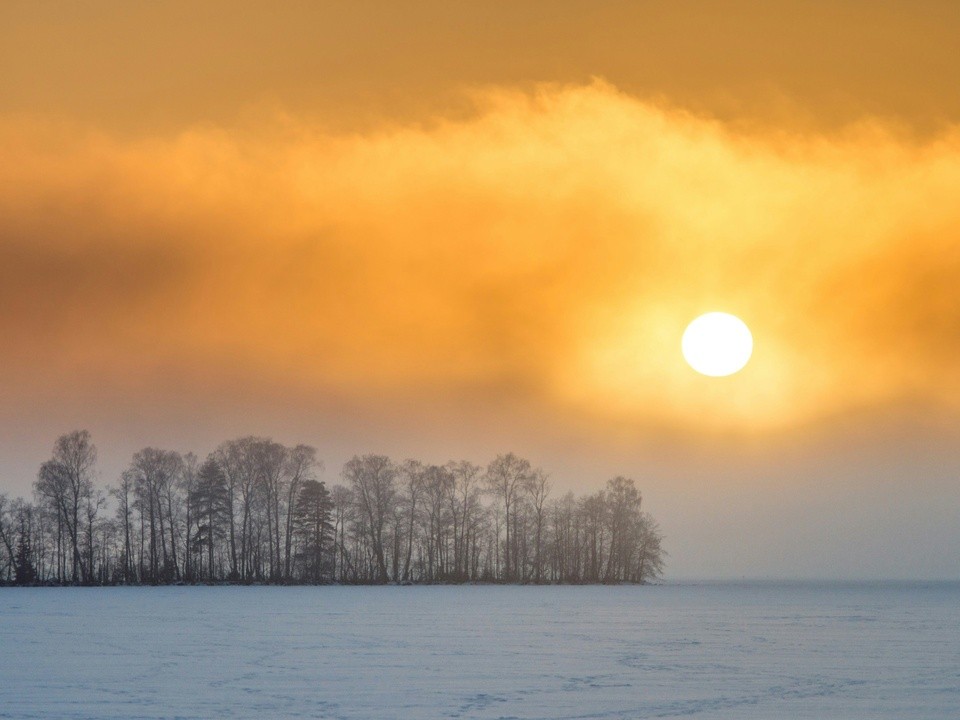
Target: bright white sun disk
[717, 344]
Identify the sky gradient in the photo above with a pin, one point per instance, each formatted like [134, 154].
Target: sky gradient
[450, 232]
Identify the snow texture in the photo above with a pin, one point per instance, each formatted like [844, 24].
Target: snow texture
[745, 651]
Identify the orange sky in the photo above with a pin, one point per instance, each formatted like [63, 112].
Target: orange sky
[451, 231]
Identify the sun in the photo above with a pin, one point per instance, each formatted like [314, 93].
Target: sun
[717, 344]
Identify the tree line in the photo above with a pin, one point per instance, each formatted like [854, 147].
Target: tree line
[255, 510]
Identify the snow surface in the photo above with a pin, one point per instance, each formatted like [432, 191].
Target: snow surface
[745, 651]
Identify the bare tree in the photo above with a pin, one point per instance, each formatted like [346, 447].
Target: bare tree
[187, 481]
[373, 480]
[438, 486]
[623, 505]
[154, 472]
[464, 501]
[410, 476]
[66, 480]
[6, 540]
[271, 463]
[123, 493]
[650, 553]
[538, 489]
[343, 504]
[255, 510]
[505, 478]
[593, 508]
[238, 460]
[95, 502]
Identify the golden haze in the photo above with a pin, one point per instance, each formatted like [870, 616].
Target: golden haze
[550, 246]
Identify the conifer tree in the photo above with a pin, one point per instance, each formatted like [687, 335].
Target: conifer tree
[311, 519]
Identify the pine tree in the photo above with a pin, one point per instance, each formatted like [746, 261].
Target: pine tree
[209, 500]
[24, 572]
[311, 519]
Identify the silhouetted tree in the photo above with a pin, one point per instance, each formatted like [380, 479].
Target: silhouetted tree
[505, 478]
[211, 508]
[66, 482]
[154, 474]
[254, 510]
[373, 480]
[25, 573]
[302, 464]
[650, 555]
[123, 494]
[7, 552]
[538, 489]
[311, 520]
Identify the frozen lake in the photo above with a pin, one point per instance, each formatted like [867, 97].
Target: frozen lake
[699, 651]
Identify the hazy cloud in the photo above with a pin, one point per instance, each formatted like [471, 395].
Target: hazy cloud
[551, 247]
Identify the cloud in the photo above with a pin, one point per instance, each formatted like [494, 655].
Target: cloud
[547, 250]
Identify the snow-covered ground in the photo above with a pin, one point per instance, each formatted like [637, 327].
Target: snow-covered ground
[745, 651]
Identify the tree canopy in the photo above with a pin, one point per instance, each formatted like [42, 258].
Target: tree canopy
[255, 510]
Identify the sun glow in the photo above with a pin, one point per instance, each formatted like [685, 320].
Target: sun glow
[717, 344]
